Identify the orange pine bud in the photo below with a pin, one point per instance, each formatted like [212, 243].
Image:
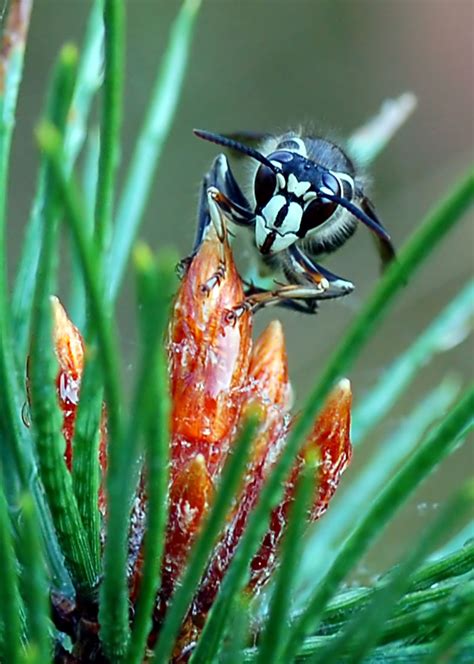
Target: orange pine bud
[330, 438]
[330, 441]
[208, 367]
[270, 387]
[209, 358]
[69, 350]
[190, 496]
[268, 370]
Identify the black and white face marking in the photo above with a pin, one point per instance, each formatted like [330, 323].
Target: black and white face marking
[290, 201]
[304, 188]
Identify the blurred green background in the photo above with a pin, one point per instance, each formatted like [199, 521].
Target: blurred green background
[273, 64]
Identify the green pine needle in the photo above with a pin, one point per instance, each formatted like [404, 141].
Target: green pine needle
[455, 321]
[150, 143]
[34, 586]
[85, 448]
[363, 632]
[114, 22]
[279, 610]
[155, 288]
[10, 604]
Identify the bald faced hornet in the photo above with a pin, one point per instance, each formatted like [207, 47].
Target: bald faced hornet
[306, 201]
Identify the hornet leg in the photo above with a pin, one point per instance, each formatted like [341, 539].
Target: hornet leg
[219, 189]
[309, 283]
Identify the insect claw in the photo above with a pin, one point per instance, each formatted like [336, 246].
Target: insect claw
[214, 280]
[230, 317]
[216, 202]
[323, 284]
[204, 289]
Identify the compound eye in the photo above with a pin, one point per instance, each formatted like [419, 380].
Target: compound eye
[331, 184]
[265, 184]
[319, 210]
[316, 214]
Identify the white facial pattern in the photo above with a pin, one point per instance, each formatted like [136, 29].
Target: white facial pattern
[281, 219]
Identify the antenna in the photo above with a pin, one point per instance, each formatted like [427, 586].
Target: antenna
[235, 145]
[373, 224]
